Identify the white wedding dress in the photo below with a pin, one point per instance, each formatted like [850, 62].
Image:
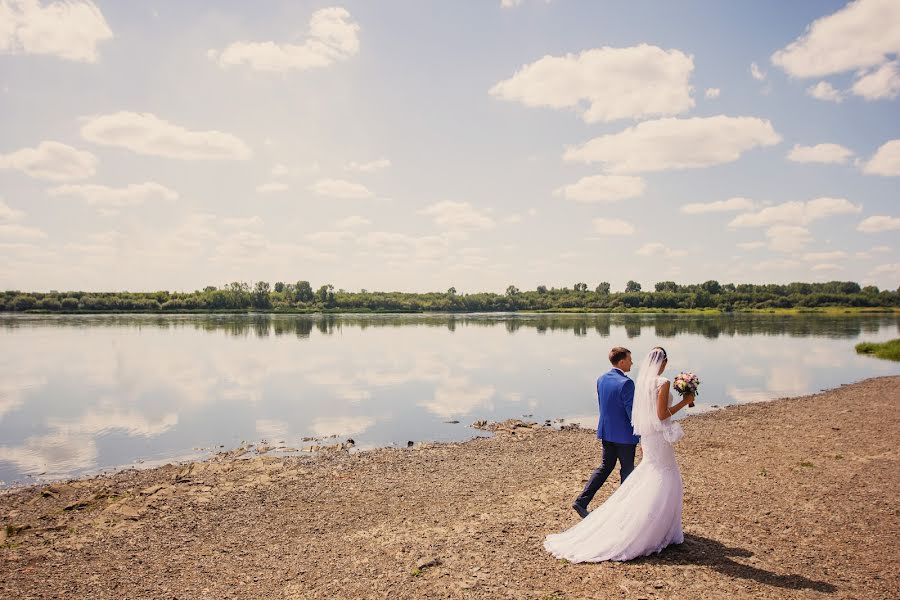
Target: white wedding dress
[643, 516]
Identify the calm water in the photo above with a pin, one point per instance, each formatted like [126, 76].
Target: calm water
[80, 394]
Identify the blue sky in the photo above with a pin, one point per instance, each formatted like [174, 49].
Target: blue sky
[421, 145]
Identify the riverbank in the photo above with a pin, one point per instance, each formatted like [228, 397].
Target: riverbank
[792, 498]
[620, 310]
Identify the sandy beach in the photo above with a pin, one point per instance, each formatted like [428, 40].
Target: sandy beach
[795, 498]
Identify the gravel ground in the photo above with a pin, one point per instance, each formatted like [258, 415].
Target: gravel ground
[795, 498]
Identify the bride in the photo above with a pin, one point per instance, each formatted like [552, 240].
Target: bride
[644, 515]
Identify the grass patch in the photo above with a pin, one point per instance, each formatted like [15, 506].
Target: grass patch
[887, 350]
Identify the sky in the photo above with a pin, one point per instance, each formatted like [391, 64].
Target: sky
[417, 145]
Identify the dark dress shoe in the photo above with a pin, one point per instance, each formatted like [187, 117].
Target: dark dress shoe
[582, 512]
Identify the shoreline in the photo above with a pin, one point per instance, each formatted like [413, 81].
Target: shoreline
[326, 444]
[785, 497]
[817, 310]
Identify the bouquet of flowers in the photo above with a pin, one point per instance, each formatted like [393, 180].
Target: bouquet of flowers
[687, 383]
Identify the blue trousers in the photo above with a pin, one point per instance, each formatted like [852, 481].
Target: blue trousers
[612, 452]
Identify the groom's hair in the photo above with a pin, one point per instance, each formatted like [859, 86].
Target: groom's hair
[617, 354]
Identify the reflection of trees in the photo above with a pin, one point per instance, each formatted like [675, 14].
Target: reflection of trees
[664, 325]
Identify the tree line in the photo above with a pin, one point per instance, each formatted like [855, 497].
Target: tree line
[302, 297]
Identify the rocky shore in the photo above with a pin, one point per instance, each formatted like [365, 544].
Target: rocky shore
[795, 498]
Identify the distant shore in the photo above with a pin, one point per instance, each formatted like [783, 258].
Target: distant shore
[794, 497]
[822, 310]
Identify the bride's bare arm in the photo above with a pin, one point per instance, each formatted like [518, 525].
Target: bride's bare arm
[663, 410]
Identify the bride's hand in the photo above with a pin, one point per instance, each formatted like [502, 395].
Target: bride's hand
[690, 399]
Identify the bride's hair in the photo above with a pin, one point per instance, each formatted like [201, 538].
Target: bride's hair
[661, 349]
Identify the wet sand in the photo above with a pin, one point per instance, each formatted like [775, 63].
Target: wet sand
[795, 498]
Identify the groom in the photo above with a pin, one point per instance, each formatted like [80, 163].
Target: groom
[615, 392]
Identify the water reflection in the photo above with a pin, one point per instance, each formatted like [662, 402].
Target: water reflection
[663, 325]
[80, 393]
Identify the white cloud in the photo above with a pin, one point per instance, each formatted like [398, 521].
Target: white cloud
[882, 83]
[755, 71]
[615, 83]
[352, 222]
[613, 227]
[338, 188]
[458, 216]
[886, 160]
[891, 270]
[369, 167]
[603, 188]
[751, 245]
[862, 34]
[825, 91]
[787, 238]
[796, 212]
[878, 224]
[7, 213]
[21, 232]
[510, 3]
[457, 397]
[131, 195]
[729, 205]
[658, 249]
[824, 256]
[51, 160]
[271, 187]
[333, 37]
[676, 144]
[778, 264]
[272, 430]
[146, 133]
[279, 170]
[401, 247]
[329, 237]
[242, 222]
[327, 426]
[826, 267]
[70, 30]
[712, 93]
[820, 153]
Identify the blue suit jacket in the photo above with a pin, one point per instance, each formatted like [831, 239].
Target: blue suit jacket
[615, 392]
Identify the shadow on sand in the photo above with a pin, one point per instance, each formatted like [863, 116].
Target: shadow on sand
[698, 550]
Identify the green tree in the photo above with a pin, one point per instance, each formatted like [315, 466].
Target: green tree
[303, 292]
[260, 297]
[711, 287]
[666, 286]
[632, 286]
[325, 295]
[512, 291]
[542, 289]
[451, 291]
[603, 288]
[581, 287]
[238, 294]
[23, 302]
[279, 286]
